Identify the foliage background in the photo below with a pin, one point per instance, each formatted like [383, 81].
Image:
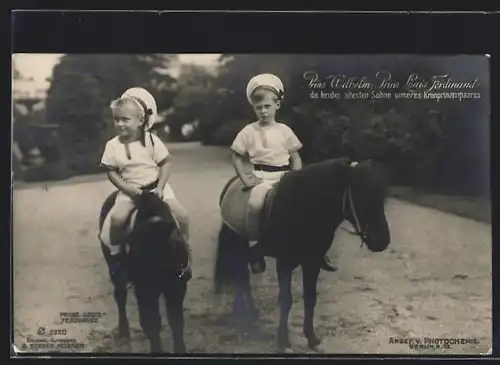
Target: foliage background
[429, 145]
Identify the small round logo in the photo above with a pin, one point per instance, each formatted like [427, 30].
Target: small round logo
[41, 330]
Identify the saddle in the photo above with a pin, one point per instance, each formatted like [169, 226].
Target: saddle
[233, 207]
[105, 220]
[105, 226]
[265, 216]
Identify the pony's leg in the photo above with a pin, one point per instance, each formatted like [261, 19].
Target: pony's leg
[237, 265]
[120, 294]
[250, 304]
[285, 302]
[149, 314]
[239, 303]
[309, 282]
[244, 305]
[250, 307]
[118, 276]
[174, 293]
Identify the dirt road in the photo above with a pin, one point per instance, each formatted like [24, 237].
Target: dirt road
[433, 282]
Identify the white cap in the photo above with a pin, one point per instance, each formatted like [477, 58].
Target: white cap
[147, 99]
[268, 80]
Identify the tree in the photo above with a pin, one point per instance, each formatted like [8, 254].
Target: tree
[228, 103]
[81, 89]
[192, 99]
[420, 141]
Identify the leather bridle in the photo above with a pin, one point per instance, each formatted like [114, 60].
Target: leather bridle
[357, 225]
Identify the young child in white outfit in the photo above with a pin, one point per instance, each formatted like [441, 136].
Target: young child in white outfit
[272, 147]
[138, 160]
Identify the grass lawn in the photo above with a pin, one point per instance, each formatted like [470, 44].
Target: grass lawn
[469, 207]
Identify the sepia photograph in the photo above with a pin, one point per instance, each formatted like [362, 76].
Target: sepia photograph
[251, 204]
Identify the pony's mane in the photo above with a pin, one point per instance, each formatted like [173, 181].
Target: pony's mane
[156, 239]
[367, 173]
[313, 185]
[331, 168]
[150, 205]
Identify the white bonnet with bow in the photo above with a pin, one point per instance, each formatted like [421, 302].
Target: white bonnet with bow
[147, 102]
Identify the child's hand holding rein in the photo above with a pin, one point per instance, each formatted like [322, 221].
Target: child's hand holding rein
[158, 192]
[250, 181]
[133, 192]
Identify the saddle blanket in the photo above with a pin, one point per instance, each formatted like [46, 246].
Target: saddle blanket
[233, 207]
[104, 234]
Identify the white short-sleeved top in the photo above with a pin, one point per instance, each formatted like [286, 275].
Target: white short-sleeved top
[266, 144]
[142, 168]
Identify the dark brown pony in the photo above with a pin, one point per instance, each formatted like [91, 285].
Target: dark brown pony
[308, 206]
[155, 265]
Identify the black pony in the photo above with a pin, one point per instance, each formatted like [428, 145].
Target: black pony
[155, 263]
[308, 206]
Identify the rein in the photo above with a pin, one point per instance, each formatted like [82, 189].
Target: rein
[357, 226]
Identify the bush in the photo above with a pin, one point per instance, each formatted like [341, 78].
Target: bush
[408, 144]
[84, 160]
[46, 172]
[226, 134]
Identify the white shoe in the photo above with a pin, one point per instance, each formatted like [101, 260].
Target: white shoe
[252, 243]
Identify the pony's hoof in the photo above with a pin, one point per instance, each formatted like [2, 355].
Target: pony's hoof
[122, 334]
[284, 346]
[180, 349]
[314, 342]
[155, 346]
[156, 350]
[319, 349]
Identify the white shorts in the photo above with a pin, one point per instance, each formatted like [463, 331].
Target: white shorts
[259, 192]
[269, 177]
[168, 194]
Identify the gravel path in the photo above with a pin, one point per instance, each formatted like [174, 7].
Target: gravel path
[434, 281]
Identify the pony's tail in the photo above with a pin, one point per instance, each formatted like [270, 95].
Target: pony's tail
[223, 276]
